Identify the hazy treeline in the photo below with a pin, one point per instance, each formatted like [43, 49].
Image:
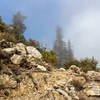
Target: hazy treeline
[61, 55]
[64, 52]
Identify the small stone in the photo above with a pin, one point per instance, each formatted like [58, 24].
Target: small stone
[41, 68]
[62, 69]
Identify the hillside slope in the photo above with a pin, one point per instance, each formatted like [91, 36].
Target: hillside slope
[24, 76]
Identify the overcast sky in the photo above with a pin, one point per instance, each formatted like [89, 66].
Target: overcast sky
[80, 20]
[84, 29]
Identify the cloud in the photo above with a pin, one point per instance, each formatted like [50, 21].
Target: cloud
[84, 32]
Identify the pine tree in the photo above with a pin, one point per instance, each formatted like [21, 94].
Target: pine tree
[70, 55]
[19, 26]
[18, 20]
[60, 47]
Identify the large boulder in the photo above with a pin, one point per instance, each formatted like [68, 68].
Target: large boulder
[16, 59]
[20, 47]
[34, 52]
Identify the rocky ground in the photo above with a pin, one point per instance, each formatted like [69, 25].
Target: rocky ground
[24, 76]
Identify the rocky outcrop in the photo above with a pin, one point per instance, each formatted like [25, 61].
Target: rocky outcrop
[24, 76]
[19, 51]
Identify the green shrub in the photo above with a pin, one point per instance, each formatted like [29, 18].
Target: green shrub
[85, 64]
[88, 64]
[8, 37]
[49, 56]
[72, 62]
[98, 69]
[34, 43]
[77, 84]
[6, 32]
[3, 26]
[6, 93]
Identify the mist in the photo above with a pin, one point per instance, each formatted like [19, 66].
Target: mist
[80, 21]
[84, 32]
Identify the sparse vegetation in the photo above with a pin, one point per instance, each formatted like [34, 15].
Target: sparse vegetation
[85, 64]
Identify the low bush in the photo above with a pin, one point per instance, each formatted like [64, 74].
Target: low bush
[8, 37]
[49, 56]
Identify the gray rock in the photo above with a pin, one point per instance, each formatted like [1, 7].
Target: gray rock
[62, 69]
[41, 68]
[9, 50]
[34, 52]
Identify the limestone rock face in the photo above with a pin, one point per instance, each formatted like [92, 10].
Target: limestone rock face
[16, 59]
[20, 47]
[34, 52]
[7, 81]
